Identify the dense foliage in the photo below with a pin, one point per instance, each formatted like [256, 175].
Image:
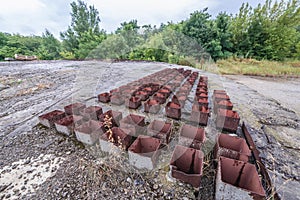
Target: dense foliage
[269, 31]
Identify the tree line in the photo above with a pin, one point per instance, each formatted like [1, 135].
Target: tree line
[269, 31]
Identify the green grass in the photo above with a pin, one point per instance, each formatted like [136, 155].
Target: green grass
[258, 68]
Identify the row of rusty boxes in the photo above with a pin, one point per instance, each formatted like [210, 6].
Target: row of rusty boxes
[114, 133]
[236, 178]
[153, 91]
[187, 159]
[227, 119]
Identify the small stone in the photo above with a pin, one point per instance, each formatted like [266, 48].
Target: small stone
[136, 182]
[23, 188]
[15, 190]
[129, 180]
[125, 191]
[26, 162]
[185, 198]
[155, 186]
[8, 196]
[14, 166]
[68, 152]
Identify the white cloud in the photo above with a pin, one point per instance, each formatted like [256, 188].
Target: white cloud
[15, 7]
[33, 16]
[147, 11]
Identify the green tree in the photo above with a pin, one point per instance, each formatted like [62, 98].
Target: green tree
[202, 29]
[224, 34]
[113, 47]
[50, 47]
[268, 31]
[84, 33]
[239, 29]
[130, 33]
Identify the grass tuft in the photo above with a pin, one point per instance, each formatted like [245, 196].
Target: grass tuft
[258, 68]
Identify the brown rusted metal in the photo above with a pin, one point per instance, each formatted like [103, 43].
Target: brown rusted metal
[203, 101]
[219, 97]
[115, 117]
[203, 79]
[219, 92]
[49, 118]
[160, 97]
[134, 123]
[186, 165]
[74, 109]
[231, 147]
[149, 90]
[152, 106]
[173, 110]
[192, 136]
[89, 132]
[117, 99]
[133, 102]
[142, 95]
[91, 112]
[104, 97]
[143, 152]
[118, 137]
[223, 104]
[227, 120]
[242, 175]
[160, 129]
[271, 190]
[67, 124]
[202, 84]
[203, 97]
[166, 91]
[199, 114]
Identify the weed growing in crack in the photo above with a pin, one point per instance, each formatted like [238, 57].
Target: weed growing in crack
[108, 122]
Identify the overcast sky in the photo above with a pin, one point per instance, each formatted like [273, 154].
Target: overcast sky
[34, 16]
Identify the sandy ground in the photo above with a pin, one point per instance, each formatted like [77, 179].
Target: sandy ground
[269, 107]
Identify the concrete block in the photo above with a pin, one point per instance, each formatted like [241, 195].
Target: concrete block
[67, 124]
[91, 113]
[191, 136]
[74, 109]
[104, 97]
[173, 110]
[151, 106]
[89, 132]
[237, 180]
[117, 99]
[186, 165]
[112, 117]
[133, 102]
[143, 153]
[160, 129]
[115, 137]
[227, 120]
[231, 147]
[134, 123]
[48, 119]
[199, 114]
[223, 104]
